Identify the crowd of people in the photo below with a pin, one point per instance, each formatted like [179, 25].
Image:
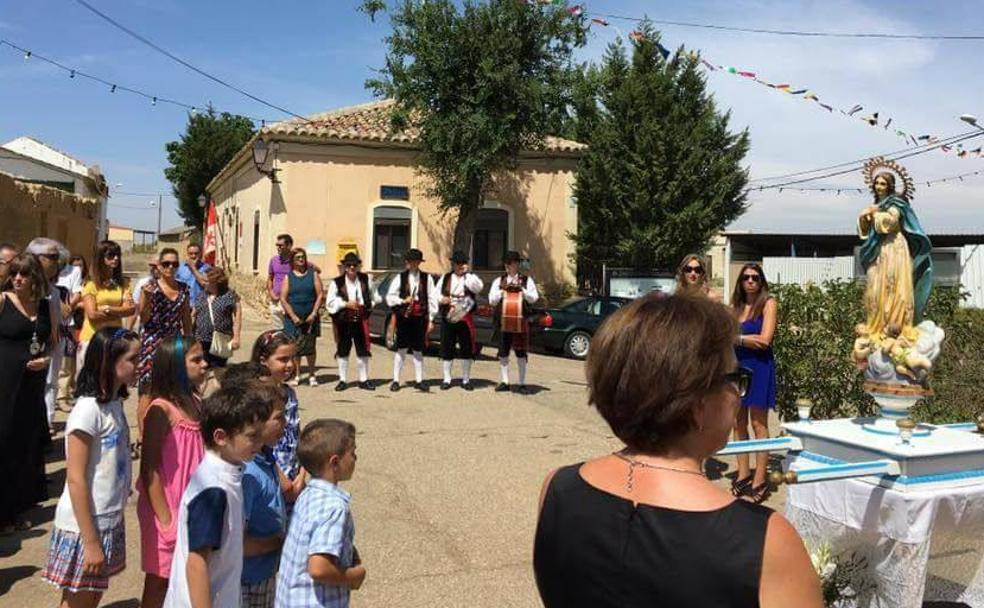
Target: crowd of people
[237, 505]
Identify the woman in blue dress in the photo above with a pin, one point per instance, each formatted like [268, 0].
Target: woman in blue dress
[301, 297]
[756, 311]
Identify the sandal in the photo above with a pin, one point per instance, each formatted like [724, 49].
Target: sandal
[740, 487]
[758, 494]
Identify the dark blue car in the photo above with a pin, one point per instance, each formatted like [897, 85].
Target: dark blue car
[568, 328]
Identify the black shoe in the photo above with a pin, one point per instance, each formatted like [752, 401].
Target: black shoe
[523, 389]
[467, 386]
[394, 386]
[502, 388]
[445, 386]
[341, 386]
[366, 386]
[420, 386]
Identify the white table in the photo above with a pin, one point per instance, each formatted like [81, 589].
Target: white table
[919, 546]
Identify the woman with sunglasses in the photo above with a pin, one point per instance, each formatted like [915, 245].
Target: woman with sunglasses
[643, 526]
[165, 311]
[105, 297]
[692, 278]
[757, 312]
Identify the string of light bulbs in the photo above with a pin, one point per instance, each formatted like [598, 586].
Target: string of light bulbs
[114, 87]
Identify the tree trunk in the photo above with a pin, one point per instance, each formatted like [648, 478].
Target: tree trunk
[464, 228]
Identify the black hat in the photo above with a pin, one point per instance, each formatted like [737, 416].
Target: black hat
[459, 257]
[414, 255]
[351, 258]
[511, 256]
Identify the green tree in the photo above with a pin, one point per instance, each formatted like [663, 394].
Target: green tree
[481, 82]
[209, 142]
[662, 173]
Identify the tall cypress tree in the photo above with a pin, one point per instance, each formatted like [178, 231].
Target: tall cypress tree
[663, 172]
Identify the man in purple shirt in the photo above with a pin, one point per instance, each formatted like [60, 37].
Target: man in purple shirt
[278, 269]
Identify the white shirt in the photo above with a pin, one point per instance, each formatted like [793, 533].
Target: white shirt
[413, 279]
[225, 562]
[69, 277]
[138, 287]
[108, 469]
[530, 294]
[459, 283]
[335, 302]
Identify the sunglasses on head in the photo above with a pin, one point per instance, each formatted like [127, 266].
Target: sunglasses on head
[693, 269]
[754, 278]
[168, 264]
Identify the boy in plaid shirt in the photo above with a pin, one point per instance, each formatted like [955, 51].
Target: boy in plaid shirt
[319, 565]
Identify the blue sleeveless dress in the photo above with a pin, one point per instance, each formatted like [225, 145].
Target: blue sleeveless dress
[762, 392]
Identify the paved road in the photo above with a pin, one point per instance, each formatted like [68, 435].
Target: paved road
[444, 493]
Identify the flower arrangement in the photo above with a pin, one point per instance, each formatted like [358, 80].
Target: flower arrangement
[841, 576]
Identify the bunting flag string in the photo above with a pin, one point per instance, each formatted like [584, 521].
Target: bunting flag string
[874, 119]
[928, 183]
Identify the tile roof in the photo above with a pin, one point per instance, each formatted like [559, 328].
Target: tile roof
[370, 122]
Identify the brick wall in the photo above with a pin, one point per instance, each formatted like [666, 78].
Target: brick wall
[32, 210]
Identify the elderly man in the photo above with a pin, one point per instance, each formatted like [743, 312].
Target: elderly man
[192, 271]
[53, 257]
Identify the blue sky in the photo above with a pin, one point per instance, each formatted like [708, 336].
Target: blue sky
[314, 55]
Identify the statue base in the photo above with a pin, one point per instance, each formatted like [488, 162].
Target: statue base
[894, 402]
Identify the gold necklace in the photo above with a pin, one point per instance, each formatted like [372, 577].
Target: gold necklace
[629, 483]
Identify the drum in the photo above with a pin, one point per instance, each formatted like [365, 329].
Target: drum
[512, 312]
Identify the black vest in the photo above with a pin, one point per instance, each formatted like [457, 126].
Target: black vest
[502, 287]
[342, 286]
[422, 286]
[446, 292]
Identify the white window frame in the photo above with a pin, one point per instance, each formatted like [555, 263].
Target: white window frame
[370, 224]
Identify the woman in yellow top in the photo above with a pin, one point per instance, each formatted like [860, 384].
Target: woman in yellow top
[106, 298]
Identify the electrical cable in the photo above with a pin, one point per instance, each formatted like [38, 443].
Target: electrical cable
[946, 140]
[174, 57]
[113, 87]
[800, 33]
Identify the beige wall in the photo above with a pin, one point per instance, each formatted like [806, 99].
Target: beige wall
[328, 193]
[31, 210]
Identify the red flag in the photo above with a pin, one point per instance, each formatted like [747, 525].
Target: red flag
[211, 235]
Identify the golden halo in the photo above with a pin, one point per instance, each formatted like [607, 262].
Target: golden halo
[878, 164]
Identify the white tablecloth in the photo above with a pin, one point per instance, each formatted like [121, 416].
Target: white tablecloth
[919, 546]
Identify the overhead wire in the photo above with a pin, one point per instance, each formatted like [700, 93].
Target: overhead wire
[799, 33]
[186, 64]
[114, 87]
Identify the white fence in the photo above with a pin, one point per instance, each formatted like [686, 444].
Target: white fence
[972, 274]
[808, 270]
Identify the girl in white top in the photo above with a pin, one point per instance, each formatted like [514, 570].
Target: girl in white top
[88, 541]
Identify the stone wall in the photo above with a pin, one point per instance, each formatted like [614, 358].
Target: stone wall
[31, 210]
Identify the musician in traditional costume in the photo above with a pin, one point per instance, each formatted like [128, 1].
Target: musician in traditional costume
[513, 294]
[455, 296]
[409, 298]
[350, 299]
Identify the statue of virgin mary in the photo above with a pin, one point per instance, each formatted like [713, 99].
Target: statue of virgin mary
[896, 255]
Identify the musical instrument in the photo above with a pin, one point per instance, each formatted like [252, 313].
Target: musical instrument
[458, 309]
[513, 320]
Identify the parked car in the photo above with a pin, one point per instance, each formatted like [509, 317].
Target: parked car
[382, 324]
[569, 327]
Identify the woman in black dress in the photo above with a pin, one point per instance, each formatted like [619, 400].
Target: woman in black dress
[26, 329]
[643, 526]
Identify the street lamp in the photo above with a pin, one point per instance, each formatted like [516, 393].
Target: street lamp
[971, 120]
[261, 150]
[202, 200]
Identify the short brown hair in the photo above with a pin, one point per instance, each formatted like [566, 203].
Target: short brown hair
[220, 277]
[321, 439]
[652, 362]
[233, 408]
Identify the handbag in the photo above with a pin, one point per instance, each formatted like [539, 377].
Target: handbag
[221, 343]
[305, 340]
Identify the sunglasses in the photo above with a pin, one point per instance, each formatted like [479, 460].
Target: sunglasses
[740, 380]
[111, 255]
[168, 264]
[754, 278]
[49, 256]
[693, 270]
[282, 245]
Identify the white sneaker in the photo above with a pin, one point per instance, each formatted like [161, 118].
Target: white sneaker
[312, 381]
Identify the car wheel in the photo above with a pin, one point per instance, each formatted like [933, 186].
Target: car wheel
[389, 334]
[577, 343]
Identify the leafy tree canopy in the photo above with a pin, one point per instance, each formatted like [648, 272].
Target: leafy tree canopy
[663, 173]
[482, 81]
[209, 142]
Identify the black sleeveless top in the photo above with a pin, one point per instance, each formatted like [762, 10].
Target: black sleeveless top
[597, 549]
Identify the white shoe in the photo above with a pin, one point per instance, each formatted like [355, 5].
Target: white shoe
[312, 381]
[296, 381]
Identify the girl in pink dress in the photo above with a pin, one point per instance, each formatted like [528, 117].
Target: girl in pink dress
[172, 449]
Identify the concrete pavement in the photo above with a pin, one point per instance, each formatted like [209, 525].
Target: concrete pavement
[444, 493]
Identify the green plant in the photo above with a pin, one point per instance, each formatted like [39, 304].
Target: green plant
[815, 335]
